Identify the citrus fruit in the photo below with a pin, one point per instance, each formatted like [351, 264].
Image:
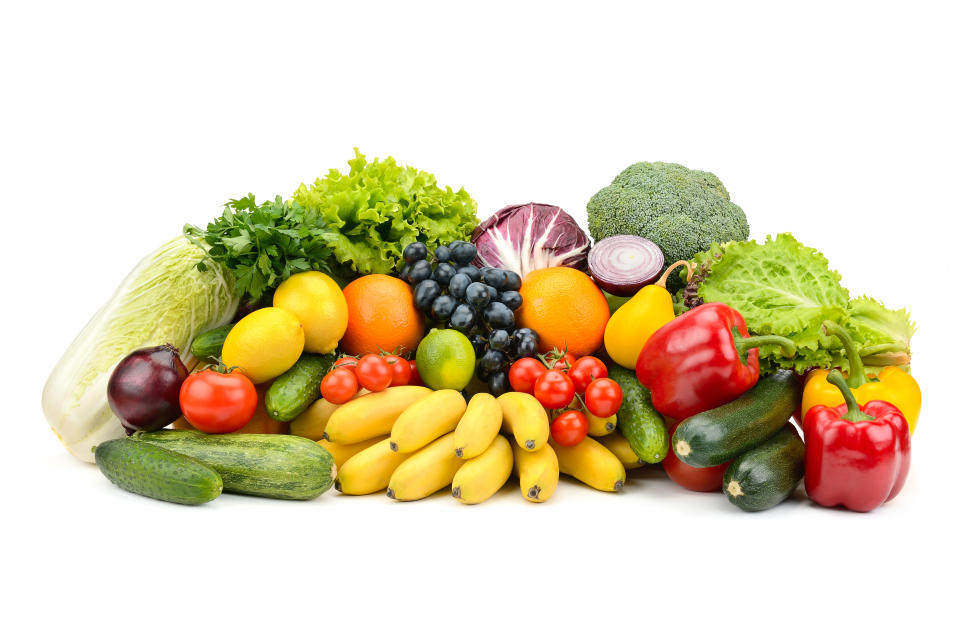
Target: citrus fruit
[317, 301]
[445, 359]
[264, 343]
[566, 309]
[380, 316]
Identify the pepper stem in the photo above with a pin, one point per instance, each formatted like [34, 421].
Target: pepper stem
[854, 413]
[666, 274]
[857, 377]
[787, 347]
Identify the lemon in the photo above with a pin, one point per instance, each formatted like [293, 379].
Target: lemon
[445, 359]
[318, 302]
[264, 344]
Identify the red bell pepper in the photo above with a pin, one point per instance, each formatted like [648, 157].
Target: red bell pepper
[701, 360]
[858, 459]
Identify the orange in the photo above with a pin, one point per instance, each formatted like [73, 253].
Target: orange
[381, 316]
[566, 309]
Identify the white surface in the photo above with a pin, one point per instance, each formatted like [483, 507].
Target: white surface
[122, 122]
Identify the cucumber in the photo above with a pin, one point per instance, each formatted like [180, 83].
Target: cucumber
[152, 471]
[716, 436]
[273, 465]
[765, 476]
[639, 423]
[209, 345]
[294, 390]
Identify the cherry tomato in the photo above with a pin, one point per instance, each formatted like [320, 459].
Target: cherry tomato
[553, 389]
[339, 385]
[562, 362]
[414, 375]
[374, 372]
[603, 397]
[401, 369]
[346, 362]
[697, 479]
[218, 402]
[585, 370]
[524, 373]
[569, 428]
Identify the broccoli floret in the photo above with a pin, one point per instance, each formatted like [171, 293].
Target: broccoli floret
[681, 210]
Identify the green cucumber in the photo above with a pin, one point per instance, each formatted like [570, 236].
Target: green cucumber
[209, 345]
[152, 471]
[273, 465]
[765, 476]
[638, 421]
[716, 436]
[298, 387]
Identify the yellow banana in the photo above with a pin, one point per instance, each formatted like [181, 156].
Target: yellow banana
[539, 472]
[342, 453]
[620, 446]
[597, 426]
[593, 464]
[525, 418]
[478, 427]
[371, 415]
[427, 420]
[312, 422]
[425, 472]
[482, 476]
[369, 471]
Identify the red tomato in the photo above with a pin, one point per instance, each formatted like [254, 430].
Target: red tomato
[553, 389]
[374, 372]
[339, 385]
[586, 370]
[697, 479]
[216, 402]
[562, 362]
[346, 362]
[414, 375]
[524, 373]
[401, 370]
[603, 397]
[569, 428]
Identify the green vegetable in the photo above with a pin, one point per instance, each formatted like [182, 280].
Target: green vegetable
[767, 475]
[263, 245]
[272, 465]
[883, 334]
[298, 387]
[716, 436]
[163, 300]
[209, 345]
[379, 207]
[682, 210]
[637, 420]
[152, 471]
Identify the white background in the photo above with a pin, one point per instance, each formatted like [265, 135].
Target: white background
[835, 121]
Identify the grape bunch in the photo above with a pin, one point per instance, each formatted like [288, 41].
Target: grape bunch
[451, 291]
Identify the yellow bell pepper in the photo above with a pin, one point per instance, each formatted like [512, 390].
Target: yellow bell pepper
[892, 385]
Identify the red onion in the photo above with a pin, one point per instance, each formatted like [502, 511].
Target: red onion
[144, 389]
[623, 264]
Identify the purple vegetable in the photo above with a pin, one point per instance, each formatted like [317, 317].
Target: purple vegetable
[623, 264]
[144, 389]
[523, 238]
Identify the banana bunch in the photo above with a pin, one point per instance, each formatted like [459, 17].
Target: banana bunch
[413, 442]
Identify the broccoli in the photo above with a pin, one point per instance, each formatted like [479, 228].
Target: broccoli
[681, 210]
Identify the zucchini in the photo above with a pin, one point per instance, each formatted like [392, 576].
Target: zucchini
[765, 476]
[716, 436]
[638, 421]
[152, 471]
[294, 390]
[277, 466]
[209, 345]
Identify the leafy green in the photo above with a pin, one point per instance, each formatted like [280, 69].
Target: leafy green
[263, 245]
[379, 207]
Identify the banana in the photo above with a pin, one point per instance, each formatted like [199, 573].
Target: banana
[427, 420]
[342, 453]
[369, 471]
[425, 472]
[597, 426]
[371, 415]
[620, 446]
[481, 477]
[593, 464]
[525, 418]
[311, 423]
[478, 427]
[539, 472]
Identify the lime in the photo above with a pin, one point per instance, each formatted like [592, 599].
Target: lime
[445, 359]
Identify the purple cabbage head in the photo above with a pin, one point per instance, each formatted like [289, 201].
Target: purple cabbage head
[523, 238]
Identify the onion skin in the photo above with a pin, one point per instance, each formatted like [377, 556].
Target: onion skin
[144, 389]
[620, 281]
